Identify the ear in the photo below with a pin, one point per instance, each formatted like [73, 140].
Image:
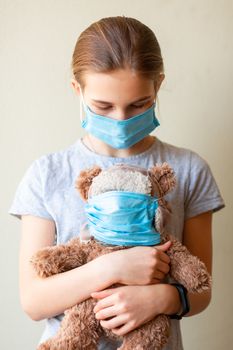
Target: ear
[164, 176]
[84, 180]
[75, 86]
[158, 82]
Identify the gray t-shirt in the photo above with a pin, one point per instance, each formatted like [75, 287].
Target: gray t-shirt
[48, 190]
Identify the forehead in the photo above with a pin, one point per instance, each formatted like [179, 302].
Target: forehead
[117, 86]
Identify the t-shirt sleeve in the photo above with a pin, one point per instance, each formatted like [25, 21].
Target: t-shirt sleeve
[29, 195]
[203, 193]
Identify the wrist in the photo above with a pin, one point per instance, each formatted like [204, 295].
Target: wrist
[171, 303]
[183, 295]
[108, 268]
[115, 261]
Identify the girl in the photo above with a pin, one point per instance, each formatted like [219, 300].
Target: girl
[117, 72]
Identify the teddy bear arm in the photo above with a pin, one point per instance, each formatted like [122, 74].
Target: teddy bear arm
[188, 269]
[78, 330]
[52, 260]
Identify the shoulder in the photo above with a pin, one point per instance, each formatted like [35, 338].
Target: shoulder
[55, 167]
[46, 175]
[181, 157]
[55, 159]
[196, 185]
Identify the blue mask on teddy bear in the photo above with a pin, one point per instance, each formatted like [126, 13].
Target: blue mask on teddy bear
[123, 218]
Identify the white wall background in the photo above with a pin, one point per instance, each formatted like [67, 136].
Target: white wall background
[40, 114]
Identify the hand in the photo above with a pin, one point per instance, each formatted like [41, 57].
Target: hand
[127, 311]
[141, 265]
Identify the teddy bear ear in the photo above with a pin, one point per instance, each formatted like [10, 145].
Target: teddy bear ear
[84, 180]
[164, 175]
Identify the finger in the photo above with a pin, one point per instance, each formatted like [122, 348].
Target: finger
[158, 275]
[103, 303]
[164, 257]
[155, 281]
[127, 327]
[102, 294]
[106, 313]
[114, 322]
[164, 247]
[162, 267]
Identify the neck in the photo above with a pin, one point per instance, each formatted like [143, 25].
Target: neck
[102, 148]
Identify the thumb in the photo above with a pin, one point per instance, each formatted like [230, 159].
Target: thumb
[165, 246]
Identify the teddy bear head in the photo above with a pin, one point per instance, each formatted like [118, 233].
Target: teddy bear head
[156, 181]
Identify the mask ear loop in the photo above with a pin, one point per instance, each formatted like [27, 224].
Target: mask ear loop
[81, 103]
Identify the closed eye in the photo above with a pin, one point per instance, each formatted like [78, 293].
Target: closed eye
[110, 107]
[138, 106]
[104, 108]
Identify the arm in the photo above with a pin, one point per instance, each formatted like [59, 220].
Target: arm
[197, 237]
[65, 289]
[69, 288]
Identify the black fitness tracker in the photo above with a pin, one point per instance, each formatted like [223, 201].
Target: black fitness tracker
[184, 301]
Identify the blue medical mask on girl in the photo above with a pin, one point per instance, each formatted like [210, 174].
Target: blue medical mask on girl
[118, 133]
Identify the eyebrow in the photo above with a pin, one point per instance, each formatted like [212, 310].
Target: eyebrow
[139, 100]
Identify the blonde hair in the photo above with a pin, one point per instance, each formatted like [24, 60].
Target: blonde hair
[114, 43]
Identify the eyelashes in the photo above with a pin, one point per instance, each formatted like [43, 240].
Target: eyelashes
[109, 107]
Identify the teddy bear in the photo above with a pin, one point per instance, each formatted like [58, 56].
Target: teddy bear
[79, 328]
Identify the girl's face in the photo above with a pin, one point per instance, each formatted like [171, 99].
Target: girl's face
[119, 94]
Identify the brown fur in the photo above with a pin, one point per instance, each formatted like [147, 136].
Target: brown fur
[79, 328]
[163, 177]
[84, 180]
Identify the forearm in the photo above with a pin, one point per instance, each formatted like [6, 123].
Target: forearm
[47, 297]
[198, 302]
